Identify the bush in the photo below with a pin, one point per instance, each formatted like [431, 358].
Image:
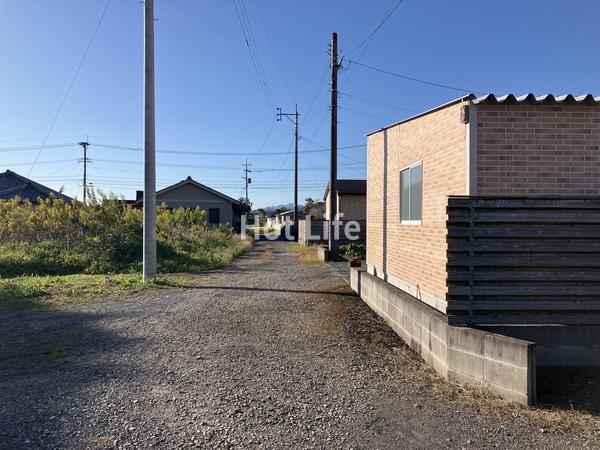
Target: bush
[105, 236]
[353, 251]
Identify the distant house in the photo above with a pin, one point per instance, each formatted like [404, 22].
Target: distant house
[351, 199]
[13, 184]
[351, 205]
[220, 208]
[287, 216]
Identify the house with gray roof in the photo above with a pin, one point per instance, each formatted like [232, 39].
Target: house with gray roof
[13, 185]
[220, 208]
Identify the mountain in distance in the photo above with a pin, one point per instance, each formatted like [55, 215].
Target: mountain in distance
[270, 209]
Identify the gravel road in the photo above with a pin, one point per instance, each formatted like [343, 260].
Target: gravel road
[268, 353]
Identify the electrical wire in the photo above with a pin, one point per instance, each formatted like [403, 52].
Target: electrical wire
[35, 147]
[64, 99]
[377, 103]
[365, 114]
[285, 81]
[417, 80]
[372, 34]
[248, 35]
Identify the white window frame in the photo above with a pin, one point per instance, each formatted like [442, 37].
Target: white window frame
[410, 222]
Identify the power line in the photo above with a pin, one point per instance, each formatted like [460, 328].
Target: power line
[377, 103]
[51, 161]
[417, 80]
[313, 102]
[262, 21]
[192, 166]
[62, 103]
[36, 147]
[365, 114]
[187, 152]
[246, 27]
[370, 36]
[139, 149]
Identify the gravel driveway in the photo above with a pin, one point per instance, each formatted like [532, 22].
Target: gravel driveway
[268, 353]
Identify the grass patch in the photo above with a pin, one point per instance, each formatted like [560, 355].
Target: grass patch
[305, 254]
[31, 292]
[265, 230]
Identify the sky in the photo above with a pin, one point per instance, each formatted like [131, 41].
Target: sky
[211, 104]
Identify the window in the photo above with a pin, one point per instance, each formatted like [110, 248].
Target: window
[214, 215]
[411, 194]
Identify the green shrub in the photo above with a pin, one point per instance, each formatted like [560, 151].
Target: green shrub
[105, 236]
[353, 251]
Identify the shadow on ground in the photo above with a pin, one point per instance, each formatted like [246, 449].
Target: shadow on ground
[47, 360]
[569, 388]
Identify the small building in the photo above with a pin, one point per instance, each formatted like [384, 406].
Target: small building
[287, 217]
[220, 208]
[13, 184]
[483, 220]
[351, 199]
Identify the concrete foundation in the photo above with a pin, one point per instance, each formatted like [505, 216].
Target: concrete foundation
[323, 253]
[505, 365]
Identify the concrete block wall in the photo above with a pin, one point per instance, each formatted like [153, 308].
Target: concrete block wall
[503, 364]
[558, 345]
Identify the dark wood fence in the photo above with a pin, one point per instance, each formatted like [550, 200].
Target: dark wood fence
[523, 260]
[319, 232]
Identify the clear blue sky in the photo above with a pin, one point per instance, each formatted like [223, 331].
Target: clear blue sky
[209, 99]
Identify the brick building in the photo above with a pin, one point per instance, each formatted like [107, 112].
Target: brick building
[351, 199]
[511, 146]
[482, 237]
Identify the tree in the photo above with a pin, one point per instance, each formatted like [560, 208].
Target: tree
[315, 209]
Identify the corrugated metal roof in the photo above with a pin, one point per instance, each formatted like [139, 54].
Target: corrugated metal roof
[531, 99]
[508, 99]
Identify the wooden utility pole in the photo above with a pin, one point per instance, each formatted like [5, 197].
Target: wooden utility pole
[295, 121]
[149, 264]
[85, 161]
[332, 213]
[247, 179]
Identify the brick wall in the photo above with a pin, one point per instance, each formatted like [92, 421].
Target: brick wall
[538, 150]
[354, 207]
[415, 254]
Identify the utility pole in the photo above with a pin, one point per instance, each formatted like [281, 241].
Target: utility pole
[248, 180]
[295, 121]
[85, 145]
[332, 213]
[149, 264]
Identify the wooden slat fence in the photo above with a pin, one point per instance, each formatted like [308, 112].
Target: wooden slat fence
[523, 260]
[319, 227]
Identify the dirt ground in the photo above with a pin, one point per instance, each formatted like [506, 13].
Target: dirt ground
[268, 353]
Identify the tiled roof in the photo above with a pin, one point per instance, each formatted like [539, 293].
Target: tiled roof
[569, 99]
[12, 184]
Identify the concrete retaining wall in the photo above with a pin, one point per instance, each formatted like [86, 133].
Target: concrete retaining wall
[558, 345]
[464, 355]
